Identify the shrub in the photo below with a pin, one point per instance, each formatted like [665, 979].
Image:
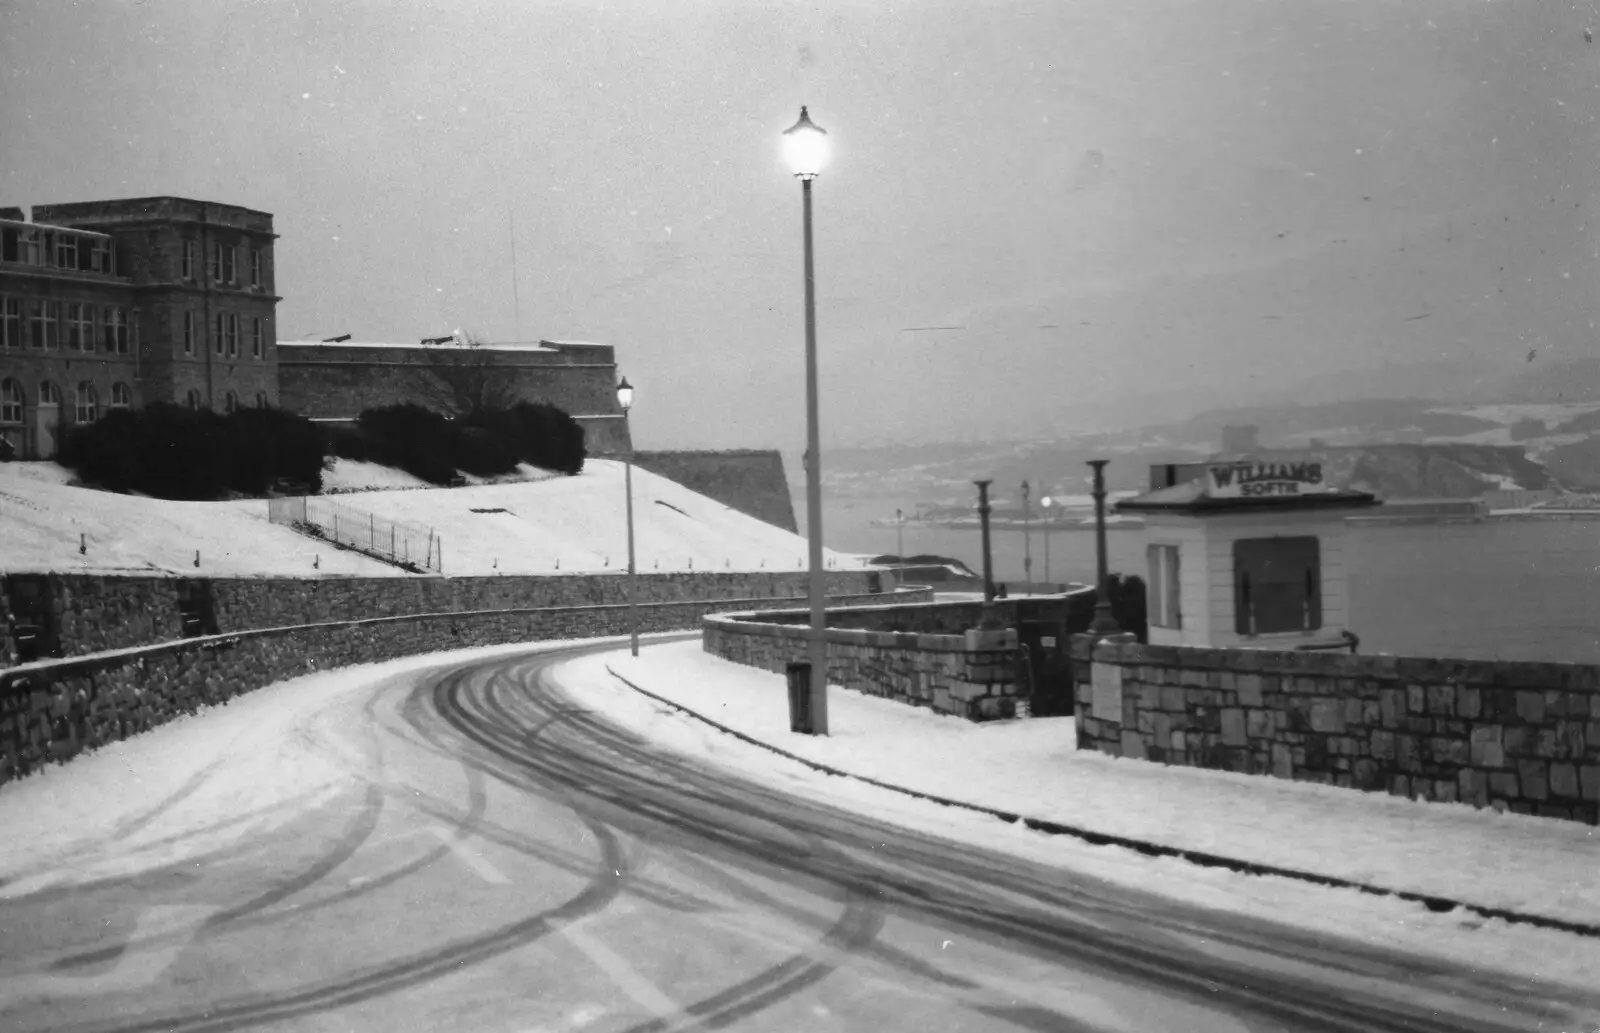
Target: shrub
[411, 438]
[171, 452]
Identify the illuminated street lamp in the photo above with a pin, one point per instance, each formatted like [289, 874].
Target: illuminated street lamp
[805, 148]
[625, 400]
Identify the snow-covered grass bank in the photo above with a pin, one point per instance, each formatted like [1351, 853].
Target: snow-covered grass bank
[1502, 861]
[534, 525]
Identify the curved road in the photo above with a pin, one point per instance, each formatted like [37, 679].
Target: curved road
[495, 857]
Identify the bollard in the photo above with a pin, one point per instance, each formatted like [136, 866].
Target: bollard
[799, 675]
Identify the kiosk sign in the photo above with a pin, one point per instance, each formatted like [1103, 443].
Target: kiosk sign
[1258, 479]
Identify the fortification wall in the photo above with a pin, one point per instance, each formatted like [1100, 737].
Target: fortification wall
[748, 480]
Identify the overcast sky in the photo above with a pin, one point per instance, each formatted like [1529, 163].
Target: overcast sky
[1109, 197]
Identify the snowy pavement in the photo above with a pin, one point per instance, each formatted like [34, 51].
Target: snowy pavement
[1512, 862]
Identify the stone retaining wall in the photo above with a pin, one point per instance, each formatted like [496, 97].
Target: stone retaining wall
[93, 613]
[971, 675]
[52, 709]
[1523, 737]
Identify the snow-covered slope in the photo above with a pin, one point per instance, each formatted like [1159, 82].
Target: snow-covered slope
[552, 525]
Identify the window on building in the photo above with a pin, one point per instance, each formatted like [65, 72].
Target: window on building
[49, 394]
[121, 396]
[230, 402]
[255, 267]
[52, 325]
[36, 323]
[30, 247]
[233, 334]
[256, 341]
[216, 334]
[1277, 585]
[261, 400]
[192, 399]
[74, 319]
[102, 257]
[11, 399]
[88, 404]
[10, 322]
[188, 333]
[8, 243]
[1162, 588]
[117, 330]
[230, 264]
[216, 261]
[188, 260]
[67, 250]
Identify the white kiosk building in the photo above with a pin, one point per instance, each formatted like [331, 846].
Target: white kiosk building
[1246, 554]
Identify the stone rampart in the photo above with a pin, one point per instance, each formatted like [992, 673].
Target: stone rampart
[972, 674]
[52, 709]
[91, 613]
[748, 480]
[1515, 736]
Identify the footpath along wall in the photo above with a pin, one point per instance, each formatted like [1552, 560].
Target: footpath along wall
[90, 613]
[1517, 736]
[52, 709]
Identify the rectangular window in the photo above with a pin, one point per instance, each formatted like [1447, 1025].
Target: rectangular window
[74, 316]
[230, 266]
[28, 247]
[11, 322]
[188, 260]
[102, 261]
[1277, 585]
[117, 331]
[1162, 588]
[216, 335]
[66, 250]
[36, 323]
[8, 243]
[255, 336]
[188, 333]
[255, 267]
[216, 261]
[233, 335]
[52, 325]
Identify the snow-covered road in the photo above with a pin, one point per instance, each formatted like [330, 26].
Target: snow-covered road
[461, 842]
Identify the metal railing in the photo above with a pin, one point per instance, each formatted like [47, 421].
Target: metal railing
[404, 545]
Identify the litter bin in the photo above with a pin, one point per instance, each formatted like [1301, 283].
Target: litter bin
[799, 672]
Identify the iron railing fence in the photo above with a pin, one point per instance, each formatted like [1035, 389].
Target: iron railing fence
[405, 545]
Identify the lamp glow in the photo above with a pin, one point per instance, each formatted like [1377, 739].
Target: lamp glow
[805, 146]
[625, 395]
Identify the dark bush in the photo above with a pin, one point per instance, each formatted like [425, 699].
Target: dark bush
[170, 452]
[411, 438]
[550, 439]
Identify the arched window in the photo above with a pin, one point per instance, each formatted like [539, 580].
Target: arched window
[11, 399]
[230, 402]
[261, 400]
[49, 394]
[192, 399]
[121, 396]
[88, 409]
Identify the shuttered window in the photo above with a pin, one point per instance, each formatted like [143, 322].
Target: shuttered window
[1277, 585]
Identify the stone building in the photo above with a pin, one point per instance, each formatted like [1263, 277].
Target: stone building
[107, 304]
[335, 379]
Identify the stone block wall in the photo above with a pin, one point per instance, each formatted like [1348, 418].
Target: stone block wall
[98, 612]
[748, 480]
[50, 710]
[1075, 610]
[1514, 736]
[971, 675]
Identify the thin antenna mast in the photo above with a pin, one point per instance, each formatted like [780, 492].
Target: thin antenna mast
[516, 305]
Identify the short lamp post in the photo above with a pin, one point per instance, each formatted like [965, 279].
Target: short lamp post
[1104, 623]
[1045, 503]
[625, 400]
[805, 148]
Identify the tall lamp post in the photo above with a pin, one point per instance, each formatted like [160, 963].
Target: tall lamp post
[899, 536]
[983, 522]
[1104, 623]
[1027, 542]
[625, 400]
[1046, 503]
[805, 148]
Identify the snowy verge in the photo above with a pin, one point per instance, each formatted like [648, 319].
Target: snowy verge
[1031, 767]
